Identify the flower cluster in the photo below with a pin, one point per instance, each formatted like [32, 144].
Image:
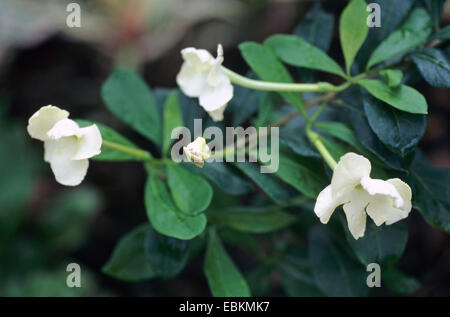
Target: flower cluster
[384, 201]
[67, 147]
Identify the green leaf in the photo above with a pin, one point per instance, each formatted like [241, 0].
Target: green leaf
[353, 30]
[393, 78]
[252, 219]
[296, 277]
[224, 278]
[413, 32]
[433, 66]
[399, 130]
[129, 98]
[165, 217]
[128, 261]
[191, 192]
[297, 52]
[442, 34]
[341, 131]
[167, 256]
[223, 176]
[431, 191]
[334, 272]
[303, 175]
[273, 187]
[244, 103]
[263, 61]
[172, 120]
[404, 98]
[435, 8]
[399, 282]
[108, 134]
[316, 27]
[382, 245]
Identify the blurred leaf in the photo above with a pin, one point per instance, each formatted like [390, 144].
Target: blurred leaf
[223, 176]
[399, 282]
[264, 63]
[433, 66]
[128, 261]
[393, 78]
[435, 9]
[431, 191]
[399, 130]
[239, 239]
[172, 120]
[382, 245]
[303, 175]
[268, 104]
[297, 52]
[272, 186]
[167, 256]
[413, 32]
[191, 192]
[130, 100]
[353, 30]
[334, 272]
[252, 219]
[260, 280]
[404, 98]
[224, 278]
[245, 103]
[442, 34]
[341, 131]
[65, 223]
[165, 217]
[316, 27]
[108, 134]
[296, 277]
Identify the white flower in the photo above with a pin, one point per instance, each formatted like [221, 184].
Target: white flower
[67, 147]
[201, 76]
[384, 201]
[197, 152]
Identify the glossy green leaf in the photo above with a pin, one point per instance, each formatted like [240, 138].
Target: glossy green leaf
[433, 66]
[297, 52]
[128, 97]
[341, 131]
[413, 32]
[263, 61]
[399, 130]
[404, 98]
[316, 27]
[167, 256]
[353, 30]
[165, 217]
[382, 245]
[108, 134]
[272, 186]
[431, 191]
[392, 77]
[191, 192]
[128, 261]
[224, 278]
[334, 272]
[252, 219]
[172, 120]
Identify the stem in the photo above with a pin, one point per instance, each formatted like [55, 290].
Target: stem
[139, 154]
[317, 141]
[240, 80]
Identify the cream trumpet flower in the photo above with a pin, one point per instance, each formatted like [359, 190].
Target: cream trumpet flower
[384, 201]
[197, 152]
[201, 76]
[67, 147]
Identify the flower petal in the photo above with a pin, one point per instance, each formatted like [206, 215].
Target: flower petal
[198, 58]
[64, 128]
[355, 212]
[348, 173]
[326, 204]
[43, 120]
[69, 172]
[381, 187]
[381, 207]
[217, 115]
[60, 149]
[216, 97]
[89, 143]
[192, 81]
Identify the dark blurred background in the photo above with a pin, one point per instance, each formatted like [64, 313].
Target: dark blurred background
[43, 225]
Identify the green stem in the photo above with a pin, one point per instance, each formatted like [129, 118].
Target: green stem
[317, 141]
[240, 80]
[139, 154]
